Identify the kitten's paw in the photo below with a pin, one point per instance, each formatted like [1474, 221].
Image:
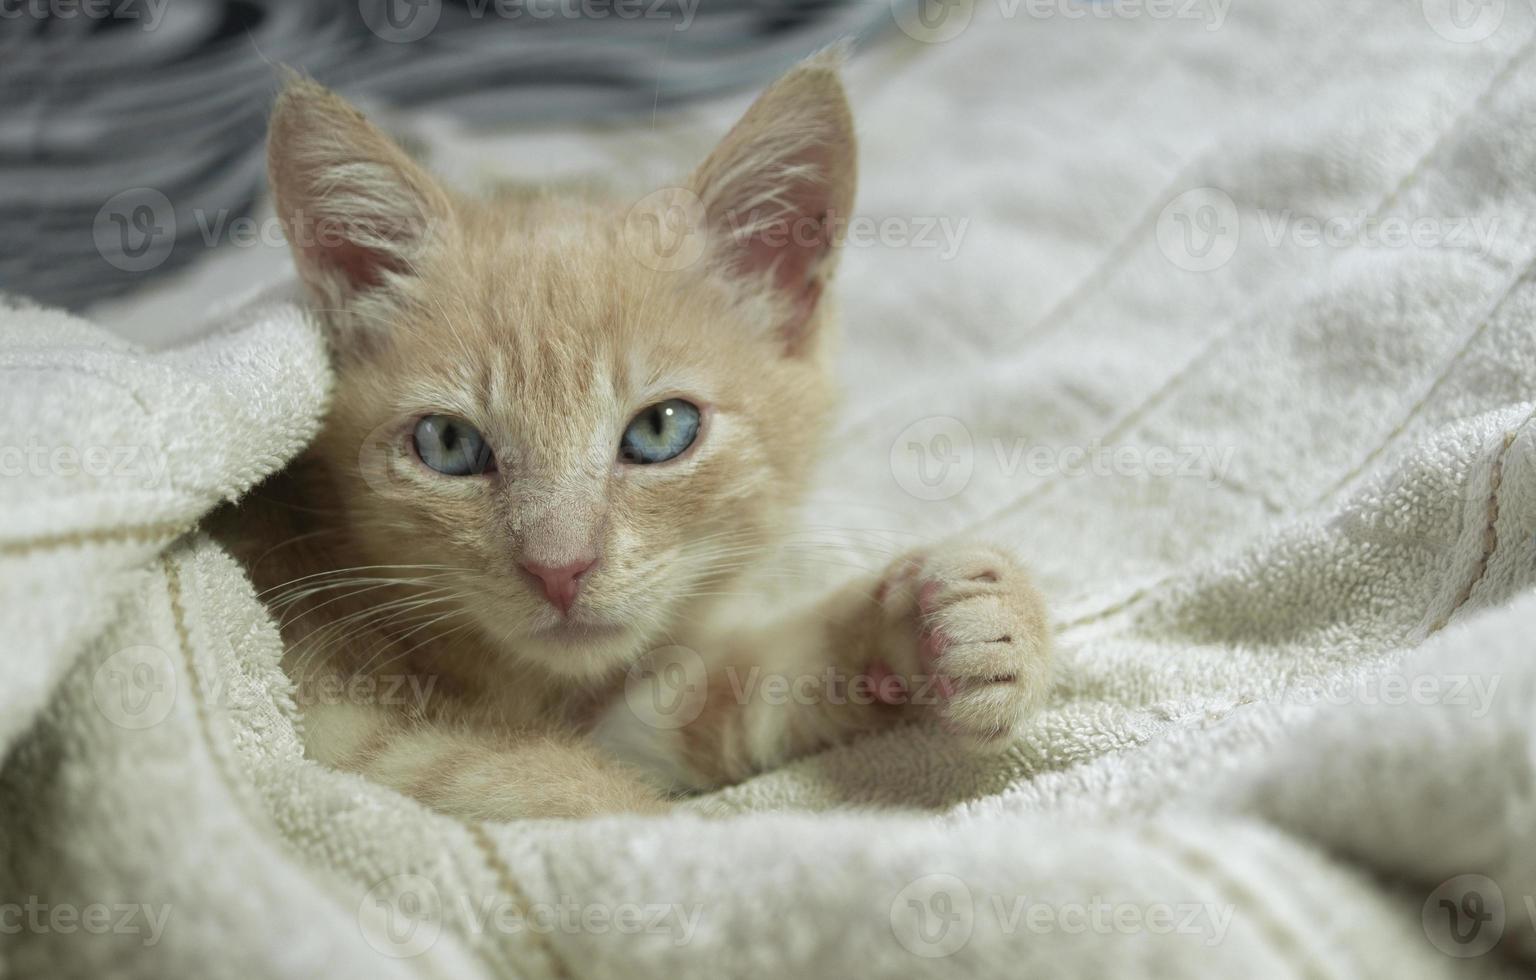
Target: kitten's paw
[966, 631]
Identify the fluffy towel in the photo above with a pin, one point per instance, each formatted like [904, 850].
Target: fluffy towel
[1291, 730]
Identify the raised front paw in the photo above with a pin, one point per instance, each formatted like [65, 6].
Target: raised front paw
[964, 633]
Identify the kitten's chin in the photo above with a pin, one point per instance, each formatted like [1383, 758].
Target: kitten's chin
[581, 651]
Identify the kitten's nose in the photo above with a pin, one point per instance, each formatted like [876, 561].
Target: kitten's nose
[561, 583]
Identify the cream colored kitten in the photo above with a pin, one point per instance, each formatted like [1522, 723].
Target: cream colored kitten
[562, 425]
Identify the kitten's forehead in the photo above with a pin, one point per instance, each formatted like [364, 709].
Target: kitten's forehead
[570, 305]
[553, 349]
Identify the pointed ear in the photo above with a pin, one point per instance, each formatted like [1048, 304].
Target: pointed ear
[779, 189]
[356, 209]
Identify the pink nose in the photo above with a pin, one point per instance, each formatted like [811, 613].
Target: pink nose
[561, 583]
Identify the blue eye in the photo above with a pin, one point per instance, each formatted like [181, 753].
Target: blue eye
[452, 446]
[660, 432]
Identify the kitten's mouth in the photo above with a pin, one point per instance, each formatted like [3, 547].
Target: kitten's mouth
[576, 632]
[584, 650]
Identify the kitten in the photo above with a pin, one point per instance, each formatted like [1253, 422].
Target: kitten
[562, 425]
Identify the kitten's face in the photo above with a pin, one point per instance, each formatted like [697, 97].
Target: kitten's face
[523, 394]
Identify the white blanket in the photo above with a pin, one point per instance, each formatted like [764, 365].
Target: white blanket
[1234, 346]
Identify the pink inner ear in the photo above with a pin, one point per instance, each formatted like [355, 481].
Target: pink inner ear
[329, 247]
[360, 267]
[793, 246]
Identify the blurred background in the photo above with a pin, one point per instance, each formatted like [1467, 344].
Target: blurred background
[132, 132]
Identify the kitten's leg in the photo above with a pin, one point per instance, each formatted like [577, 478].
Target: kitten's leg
[958, 633]
[471, 774]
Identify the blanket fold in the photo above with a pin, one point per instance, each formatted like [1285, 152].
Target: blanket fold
[1279, 484]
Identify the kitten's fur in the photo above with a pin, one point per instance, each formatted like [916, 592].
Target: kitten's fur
[535, 318]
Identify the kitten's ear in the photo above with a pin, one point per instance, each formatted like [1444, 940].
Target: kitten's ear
[779, 188]
[356, 209]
